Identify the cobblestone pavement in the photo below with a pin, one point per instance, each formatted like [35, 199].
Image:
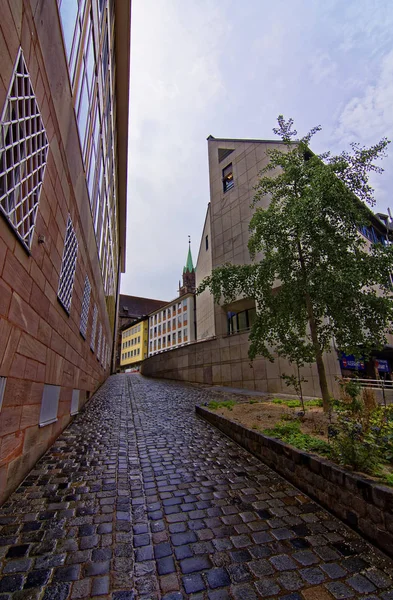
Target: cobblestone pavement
[141, 499]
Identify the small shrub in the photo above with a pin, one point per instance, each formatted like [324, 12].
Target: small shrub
[254, 401]
[293, 403]
[277, 401]
[229, 404]
[388, 479]
[362, 438]
[290, 432]
[315, 402]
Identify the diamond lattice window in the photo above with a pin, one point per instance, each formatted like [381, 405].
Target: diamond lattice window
[94, 329]
[85, 307]
[99, 342]
[68, 265]
[23, 152]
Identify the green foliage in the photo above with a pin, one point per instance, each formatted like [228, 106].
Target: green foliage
[289, 431]
[331, 283]
[254, 401]
[362, 438]
[229, 404]
[297, 403]
[388, 479]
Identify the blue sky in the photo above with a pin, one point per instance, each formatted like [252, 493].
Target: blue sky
[229, 68]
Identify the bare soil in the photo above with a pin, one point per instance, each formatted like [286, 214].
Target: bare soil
[263, 415]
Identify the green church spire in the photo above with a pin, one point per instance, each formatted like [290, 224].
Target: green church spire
[189, 264]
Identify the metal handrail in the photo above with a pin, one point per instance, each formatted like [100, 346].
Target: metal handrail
[375, 383]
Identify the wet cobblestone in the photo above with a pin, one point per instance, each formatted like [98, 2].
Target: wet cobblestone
[140, 499]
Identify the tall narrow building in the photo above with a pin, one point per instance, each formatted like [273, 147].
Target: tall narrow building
[64, 86]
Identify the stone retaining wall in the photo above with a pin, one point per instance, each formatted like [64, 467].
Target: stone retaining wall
[224, 361]
[361, 503]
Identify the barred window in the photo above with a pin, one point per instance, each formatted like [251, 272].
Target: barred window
[85, 307]
[23, 153]
[94, 328]
[103, 348]
[68, 265]
[99, 342]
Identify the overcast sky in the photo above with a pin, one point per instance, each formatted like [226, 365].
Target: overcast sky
[228, 68]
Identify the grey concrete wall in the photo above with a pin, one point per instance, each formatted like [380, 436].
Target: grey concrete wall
[224, 361]
[204, 301]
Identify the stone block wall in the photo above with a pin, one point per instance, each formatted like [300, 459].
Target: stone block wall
[361, 503]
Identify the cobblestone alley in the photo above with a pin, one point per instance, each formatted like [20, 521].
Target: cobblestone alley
[141, 499]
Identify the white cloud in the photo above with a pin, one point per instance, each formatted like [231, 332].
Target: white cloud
[322, 67]
[370, 116]
[175, 82]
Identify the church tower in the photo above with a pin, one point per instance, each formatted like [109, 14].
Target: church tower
[188, 286]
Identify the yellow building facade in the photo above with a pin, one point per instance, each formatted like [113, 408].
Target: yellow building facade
[134, 347]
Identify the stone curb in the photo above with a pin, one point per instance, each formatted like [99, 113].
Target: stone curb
[360, 502]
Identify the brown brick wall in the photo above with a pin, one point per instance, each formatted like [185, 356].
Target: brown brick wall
[39, 342]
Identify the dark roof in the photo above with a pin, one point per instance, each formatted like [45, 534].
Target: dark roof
[135, 307]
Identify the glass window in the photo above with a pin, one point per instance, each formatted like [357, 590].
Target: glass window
[173, 323]
[68, 14]
[242, 320]
[227, 178]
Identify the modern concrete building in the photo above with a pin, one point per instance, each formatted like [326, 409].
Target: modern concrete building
[64, 82]
[220, 355]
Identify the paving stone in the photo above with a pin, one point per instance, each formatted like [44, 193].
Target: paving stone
[243, 592]
[305, 557]
[239, 573]
[191, 565]
[290, 580]
[179, 539]
[165, 565]
[37, 578]
[361, 584]
[57, 591]
[193, 583]
[11, 583]
[283, 562]
[88, 522]
[67, 573]
[314, 576]
[333, 570]
[17, 566]
[339, 590]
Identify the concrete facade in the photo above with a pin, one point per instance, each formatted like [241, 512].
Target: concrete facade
[173, 325]
[57, 317]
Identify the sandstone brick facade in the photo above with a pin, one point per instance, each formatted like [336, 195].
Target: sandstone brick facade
[40, 343]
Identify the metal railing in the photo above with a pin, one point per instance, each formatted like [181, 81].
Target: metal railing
[376, 383]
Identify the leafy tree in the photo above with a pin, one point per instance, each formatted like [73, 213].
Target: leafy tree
[318, 278]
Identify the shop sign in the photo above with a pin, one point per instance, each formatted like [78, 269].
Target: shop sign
[350, 362]
[382, 365]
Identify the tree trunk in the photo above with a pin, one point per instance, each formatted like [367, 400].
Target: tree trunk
[318, 355]
[314, 337]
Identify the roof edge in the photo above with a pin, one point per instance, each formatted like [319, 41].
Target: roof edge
[211, 138]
